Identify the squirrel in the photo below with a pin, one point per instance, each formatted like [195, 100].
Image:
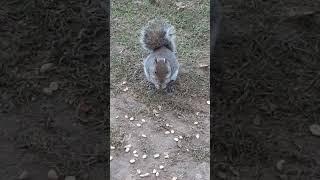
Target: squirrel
[161, 66]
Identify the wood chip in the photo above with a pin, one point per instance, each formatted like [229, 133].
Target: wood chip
[138, 171]
[176, 139]
[131, 119]
[132, 161]
[143, 135]
[112, 147]
[167, 132]
[156, 155]
[161, 167]
[196, 123]
[144, 156]
[111, 158]
[172, 131]
[197, 136]
[145, 175]
[154, 171]
[157, 174]
[208, 102]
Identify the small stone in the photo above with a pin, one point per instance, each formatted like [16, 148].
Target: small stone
[196, 123]
[112, 147]
[138, 171]
[167, 125]
[166, 155]
[187, 150]
[45, 67]
[54, 86]
[24, 175]
[132, 161]
[52, 175]
[125, 89]
[160, 108]
[139, 125]
[143, 135]
[161, 166]
[143, 120]
[197, 136]
[70, 178]
[131, 119]
[144, 156]
[144, 175]
[174, 178]
[127, 150]
[128, 146]
[117, 117]
[167, 132]
[172, 131]
[135, 152]
[176, 139]
[156, 155]
[208, 102]
[111, 158]
[315, 129]
[154, 171]
[197, 113]
[280, 164]
[126, 116]
[157, 174]
[180, 137]
[124, 82]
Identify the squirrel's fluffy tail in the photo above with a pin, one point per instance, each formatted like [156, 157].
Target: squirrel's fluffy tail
[158, 33]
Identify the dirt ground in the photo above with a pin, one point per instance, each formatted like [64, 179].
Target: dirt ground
[267, 95]
[175, 127]
[53, 89]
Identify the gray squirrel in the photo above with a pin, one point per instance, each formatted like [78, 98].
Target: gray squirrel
[161, 66]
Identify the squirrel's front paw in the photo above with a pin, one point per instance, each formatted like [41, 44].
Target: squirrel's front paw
[151, 87]
[170, 88]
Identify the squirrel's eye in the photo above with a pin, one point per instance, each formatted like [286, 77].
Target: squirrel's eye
[155, 72]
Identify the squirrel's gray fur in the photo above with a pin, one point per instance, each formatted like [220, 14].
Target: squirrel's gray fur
[160, 66]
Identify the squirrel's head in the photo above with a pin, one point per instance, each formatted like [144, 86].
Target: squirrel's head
[162, 73]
